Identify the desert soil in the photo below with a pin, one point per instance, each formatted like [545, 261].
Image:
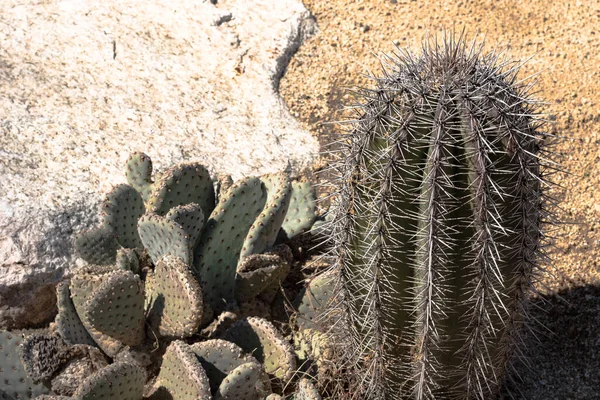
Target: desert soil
[563, 40]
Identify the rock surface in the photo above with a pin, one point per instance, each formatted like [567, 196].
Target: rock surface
[83, 84]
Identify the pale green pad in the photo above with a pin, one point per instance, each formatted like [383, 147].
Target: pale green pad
[313, 300]
[67, 322]
[83, 284]
[138, 172]
[260, 338]
[218, 326]
[97, 246]
[219, 358]
[216, 257]
[116, 308]
[85, 361]
[256, 272]
[183, 184]
[175, 299]
[14, 382]
[306, 391]
[121, 210]
[302, 211]
[162, 236]
[120, 381]
[241, 383]
[264, 229]
[191, 219]
[128, 260]
[181, 375]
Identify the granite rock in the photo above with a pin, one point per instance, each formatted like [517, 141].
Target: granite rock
[83, 84]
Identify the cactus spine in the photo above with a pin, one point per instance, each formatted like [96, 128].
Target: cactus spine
[436, 230]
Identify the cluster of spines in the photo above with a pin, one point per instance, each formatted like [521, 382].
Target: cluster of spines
[438, 208]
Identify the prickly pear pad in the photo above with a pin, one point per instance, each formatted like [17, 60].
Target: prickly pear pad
[219, 358]
[263, 231]
[306, 391]
[175, 299]
[313, 301]
[97, 246]
[191, 218]
[217, 254]
[116, 308]
[302, 210]
[117, 381]
[257, 272]
[183, 184]
[162, 236]
[128, 260]
[67, 322]
[14, 382]
[241, 383]
[83, 284]
[260, 338]
[138, 172]
[181, 375]
[121, 211]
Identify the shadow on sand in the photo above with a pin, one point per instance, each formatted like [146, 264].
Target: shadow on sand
[564, 361]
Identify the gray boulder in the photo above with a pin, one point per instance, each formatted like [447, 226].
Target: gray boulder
[83, 84]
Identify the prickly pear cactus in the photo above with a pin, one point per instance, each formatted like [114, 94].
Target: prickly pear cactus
[302, 210]
[138, 171]
[180, 185]
[117, 381]
[14, 381]
[221, 359]
[260, 338]
[440, 201]
[217, 255]
[181, 375]
[174, 299]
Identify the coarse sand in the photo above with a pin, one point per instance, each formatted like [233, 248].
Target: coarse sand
[563, 40]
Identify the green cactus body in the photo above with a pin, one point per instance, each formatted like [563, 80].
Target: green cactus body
[217, 255]
[138, 172]
[117, 381]
[191, 219]
[89, 282]
[14, 381]
[121, 210]
[258, 272]
[116, 308]
[180, 185]
[181, 375]
[174, 299]
[440, 202]
[162, 236]
[306, 391]
[67, 323]
[241, 383]
[260, 338]
[302, 210]
[263, 232]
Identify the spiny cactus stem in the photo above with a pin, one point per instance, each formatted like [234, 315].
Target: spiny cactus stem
[430, 269]
[477, 358]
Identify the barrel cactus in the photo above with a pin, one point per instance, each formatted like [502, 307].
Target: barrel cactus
[437, 226]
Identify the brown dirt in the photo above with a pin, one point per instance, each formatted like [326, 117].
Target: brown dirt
[564, 39]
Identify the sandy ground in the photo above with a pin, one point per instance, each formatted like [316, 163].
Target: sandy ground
[564, 39]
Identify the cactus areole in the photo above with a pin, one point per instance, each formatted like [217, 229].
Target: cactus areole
[437, 227]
